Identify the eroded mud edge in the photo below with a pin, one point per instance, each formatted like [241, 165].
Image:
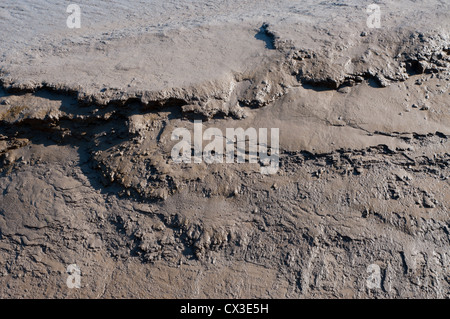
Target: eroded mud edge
[312, 229]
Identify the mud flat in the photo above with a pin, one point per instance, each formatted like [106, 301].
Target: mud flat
[87, 178]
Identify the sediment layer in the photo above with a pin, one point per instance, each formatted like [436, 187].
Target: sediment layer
[87, 177]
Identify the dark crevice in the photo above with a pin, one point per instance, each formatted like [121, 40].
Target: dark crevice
[265, 35]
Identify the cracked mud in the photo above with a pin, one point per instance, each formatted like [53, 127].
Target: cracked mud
[86, 175]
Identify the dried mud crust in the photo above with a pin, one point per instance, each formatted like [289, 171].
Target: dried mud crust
[312, 229]
[131, 139]
[379, 57]
[86, 178]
